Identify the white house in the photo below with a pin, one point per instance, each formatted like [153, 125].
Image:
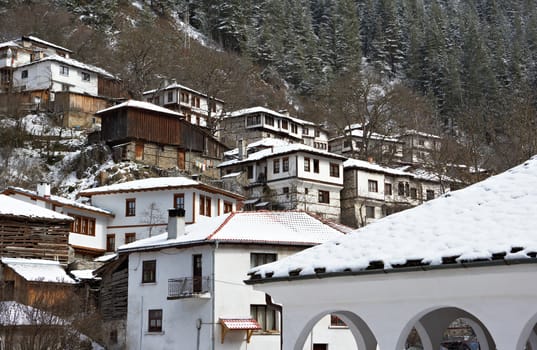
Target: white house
[140, 206]
[185, 286]
[196, 106]
[469, 255]
[87, 236]
[291, 176]
[372, 191]
[256, 123]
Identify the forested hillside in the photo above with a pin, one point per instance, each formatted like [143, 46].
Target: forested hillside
[466, 68]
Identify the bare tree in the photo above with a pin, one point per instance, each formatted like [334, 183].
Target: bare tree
[151, 216]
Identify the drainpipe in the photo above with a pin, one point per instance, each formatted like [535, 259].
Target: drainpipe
[213, 316]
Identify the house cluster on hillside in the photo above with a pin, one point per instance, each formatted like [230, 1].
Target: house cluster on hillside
[168, 255]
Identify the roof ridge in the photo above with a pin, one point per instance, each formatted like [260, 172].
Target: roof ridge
[221, 225]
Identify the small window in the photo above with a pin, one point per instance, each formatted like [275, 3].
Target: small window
[24, 74]
[228, 207]
[130, 207]
[407, 189]
[250, 171]
[316, 166]
[372, 186]
[317, 133]
[430, 194]
[130, 237]
[257, 259]
[334, 170]
[113, 336]
[369, 212]
[285, 191]
[110, 242]
[336, 321]
[421, 142]
[154, 321]
[86, 76]
[170, 96]
[276, 166]
[64, 70]
[305, 131]
[285, 164]
[413, 193]
[401, 189]
[205, 205]
[324, 196]
[269, 120]
[149, 271]
[285, 124]
[184, 97]
[306, 164]
[179, 201]
[388, 189]
[267, 317]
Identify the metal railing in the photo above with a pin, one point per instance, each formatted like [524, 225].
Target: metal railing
[188, 287]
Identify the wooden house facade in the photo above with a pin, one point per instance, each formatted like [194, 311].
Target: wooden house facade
[154, 135]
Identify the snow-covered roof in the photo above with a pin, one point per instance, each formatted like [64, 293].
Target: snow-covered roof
[419, 133]
[373, 136]
[43, 42]
[73, 63]
[9, 44]
[38, 270]
[262, 227]
[279, 150]
[265, 142]
[491, 220]
[175, 85]
[141, 105]
[362, 164]
[83, 274]
[253, 110]
[14, 207]
[58, 200]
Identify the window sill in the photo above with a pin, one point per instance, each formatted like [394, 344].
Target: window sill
[148, 283]
[154, 333]
[338, 327]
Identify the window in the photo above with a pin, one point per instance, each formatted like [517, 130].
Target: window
[347, 144]
[154, 320]
[334, 170]
[250, 171]
[113, 336]
[372, 186]
[316, 166]
[324, 196]
[110, 242]
[285, 191]
[317, 133]
[285, 164]
[86, 76]
[430, 194]
[253, 120]
[149, 271]
[205, 205]
[130, 237]
[269, 120]
[336, 321]
[130, 207]
[369, 212]
[170, 96]
[413, 193]
[64, 70]
[388, 189]
[228, 207]
[24, 74]
[306, 164]
[267, 317]
[401, 189]
[294, 128]
[83, 225]
[421, 142]
[195, 101]
[65, 87]
[276, 166]
[257, 259]
[305, 131]
[407, 189]
[179, 201]
[285, 124]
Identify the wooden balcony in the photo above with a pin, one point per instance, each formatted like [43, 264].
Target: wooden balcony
[189, 287]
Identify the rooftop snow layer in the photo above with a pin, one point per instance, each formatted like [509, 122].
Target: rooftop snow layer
[143, 184]
[288, 227]
[14, 207]
[141, 105]
[252, 110]
[488, 220]
[73, 63]
[38, 270]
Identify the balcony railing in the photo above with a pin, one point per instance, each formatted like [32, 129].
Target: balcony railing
[189, 287]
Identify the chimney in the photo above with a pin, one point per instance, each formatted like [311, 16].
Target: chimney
[176, 222]
[241, 145]
[43, 189]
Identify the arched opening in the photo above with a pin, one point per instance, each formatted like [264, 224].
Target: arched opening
[447, 328]
[336, 330]
[528, 339]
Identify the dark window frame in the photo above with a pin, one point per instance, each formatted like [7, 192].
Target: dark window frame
[149, 271]
[154, 320]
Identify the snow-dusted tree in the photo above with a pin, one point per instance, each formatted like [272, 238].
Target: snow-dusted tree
[152, 216]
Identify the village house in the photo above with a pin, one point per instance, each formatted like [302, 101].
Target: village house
[254, 124]
[32, 232]
[154, 135]
[87, 234]
[468, 256]
[419, 147]
[185, 286]
[44, 77]
[140, 206]
[371, 191]
[198, 108]
[288, 176]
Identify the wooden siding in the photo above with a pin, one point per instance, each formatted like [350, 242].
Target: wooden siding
[34, 239]
[110, 88]
[114, 286]
[66, 102]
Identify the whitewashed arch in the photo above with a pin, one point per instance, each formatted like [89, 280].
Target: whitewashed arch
[528, 335]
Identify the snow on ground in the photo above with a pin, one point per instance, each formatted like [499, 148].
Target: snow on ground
[493, 219]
